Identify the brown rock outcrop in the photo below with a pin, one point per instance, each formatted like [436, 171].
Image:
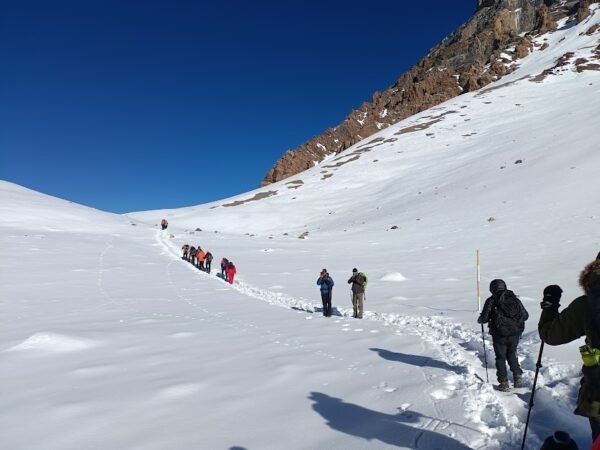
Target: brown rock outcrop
[470, 58]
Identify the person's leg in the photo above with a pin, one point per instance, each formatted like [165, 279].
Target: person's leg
[354, 306]
[595, 429]
[324, 301]
[329, 304]
[500, 352]
[511, 356]
[360, 302]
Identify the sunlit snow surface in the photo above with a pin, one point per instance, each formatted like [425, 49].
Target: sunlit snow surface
[109, 340]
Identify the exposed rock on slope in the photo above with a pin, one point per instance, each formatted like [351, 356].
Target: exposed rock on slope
[478, 53]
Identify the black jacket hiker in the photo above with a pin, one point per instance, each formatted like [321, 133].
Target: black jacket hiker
[506, 317]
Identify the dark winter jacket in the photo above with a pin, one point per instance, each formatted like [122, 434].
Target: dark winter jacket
[505, 314]
[358, 283]
[326, 284]
[580, 318]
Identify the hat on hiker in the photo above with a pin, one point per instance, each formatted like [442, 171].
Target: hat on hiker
[354, 270]
[497, 286]
[559, 440]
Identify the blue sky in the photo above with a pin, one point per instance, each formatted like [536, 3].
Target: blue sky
[137, 105]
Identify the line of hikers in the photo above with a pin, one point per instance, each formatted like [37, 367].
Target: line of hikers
[203, 261]
[505, 315]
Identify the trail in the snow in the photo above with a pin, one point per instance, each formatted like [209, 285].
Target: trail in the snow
[500, 418]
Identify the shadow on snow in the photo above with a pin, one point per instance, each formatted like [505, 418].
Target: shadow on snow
[392, 429]
[417, 360]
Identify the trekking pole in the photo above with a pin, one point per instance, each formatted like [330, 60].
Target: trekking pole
[487, 376]
[538, 366]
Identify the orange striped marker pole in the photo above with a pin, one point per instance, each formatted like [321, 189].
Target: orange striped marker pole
[478, 283]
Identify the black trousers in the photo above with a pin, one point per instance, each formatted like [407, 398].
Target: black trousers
[326, 299]
[208, 266]
[505, 349]
[595, 429]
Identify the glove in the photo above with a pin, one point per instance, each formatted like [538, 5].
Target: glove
[552, 296]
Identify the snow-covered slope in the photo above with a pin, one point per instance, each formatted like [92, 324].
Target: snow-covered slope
[454, 161]
[109, 340]
[25, 209]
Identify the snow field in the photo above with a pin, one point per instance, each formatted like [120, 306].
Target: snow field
[109, 340]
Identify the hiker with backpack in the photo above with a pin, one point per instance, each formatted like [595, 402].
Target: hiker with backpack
[186, 250]
[208, 261]
[358, 280]
[224, 262]
[193, 252]
[326, 283]
[581, 318]
[164, 224]
[506, 317]
[230, 271]
[200, 257]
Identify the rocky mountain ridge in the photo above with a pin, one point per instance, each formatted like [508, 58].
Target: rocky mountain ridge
[481, 51]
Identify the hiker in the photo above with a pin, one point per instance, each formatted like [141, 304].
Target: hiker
[193, 252]
[506, 316]
[560, 440]
[580, 318]
[200, 256]
[224, 263]
[230, 271]
[358, 292]
[209, 258]
[186, 250]
[326, 283]
[164, 224]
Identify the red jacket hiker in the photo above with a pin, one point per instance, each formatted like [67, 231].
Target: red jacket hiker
[186, 250]
[230, 271]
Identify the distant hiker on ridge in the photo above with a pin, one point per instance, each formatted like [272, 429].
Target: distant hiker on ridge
[186, 251]
[326, 283]
[164, 224]
[224, 262]
[209, 258]
[358, 292]
[231, 271]
[506, 316]
[580, 318]
[193, 252]
[200, 256]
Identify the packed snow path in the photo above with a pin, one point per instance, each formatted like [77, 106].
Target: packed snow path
[451, 346]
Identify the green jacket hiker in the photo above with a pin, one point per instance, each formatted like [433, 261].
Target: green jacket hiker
[580, 318]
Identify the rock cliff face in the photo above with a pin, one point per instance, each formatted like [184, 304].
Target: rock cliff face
[478, 53]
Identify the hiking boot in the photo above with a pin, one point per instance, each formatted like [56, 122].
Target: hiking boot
[503, 386]
[518, 382]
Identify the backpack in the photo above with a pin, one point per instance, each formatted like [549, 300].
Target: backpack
[509, 319]
[364, 275]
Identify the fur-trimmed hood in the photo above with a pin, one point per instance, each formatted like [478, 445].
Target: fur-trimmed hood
[589, 280]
